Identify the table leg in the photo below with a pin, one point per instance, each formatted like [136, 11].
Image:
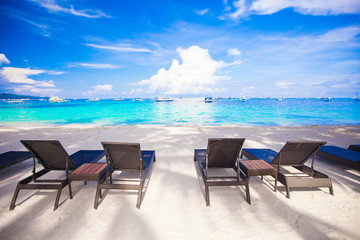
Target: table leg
[96, 202]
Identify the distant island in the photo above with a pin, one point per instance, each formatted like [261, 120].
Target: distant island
[15, 96]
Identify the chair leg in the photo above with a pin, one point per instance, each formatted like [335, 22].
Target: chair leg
[207, 195]
[70, 191]
[139, 196]
[16, 193]
[58, 197]
[331, 189]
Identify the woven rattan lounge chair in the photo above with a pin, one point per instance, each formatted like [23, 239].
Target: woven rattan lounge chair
[125, 157]
[52, 156]
[294, 154]
[220, 153]
[355, 148]
[340, 155]
[10, 158]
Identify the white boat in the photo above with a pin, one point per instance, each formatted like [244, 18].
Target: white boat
[163, 99]
[93, 100]
[137, 99]
[118, 99]
[13, 100]
[329, 99]
[208, 99]
[56, 100]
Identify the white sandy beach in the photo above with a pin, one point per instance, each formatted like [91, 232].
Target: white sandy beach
[173, 205]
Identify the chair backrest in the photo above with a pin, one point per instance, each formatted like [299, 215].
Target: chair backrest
[223, 152]
[296, 153]
[123, 156]
[50, 154]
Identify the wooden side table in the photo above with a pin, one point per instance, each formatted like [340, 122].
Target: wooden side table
[88, 172]
[257, 168]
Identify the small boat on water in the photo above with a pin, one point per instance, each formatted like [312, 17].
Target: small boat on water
[137, 99]
[118, 99]
[328, 99]
[13, 101]
[163, 99]
[56, 100]
[208, 99]
[356, 97]
[93, 100]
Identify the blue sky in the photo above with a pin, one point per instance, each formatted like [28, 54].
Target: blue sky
[105, 49]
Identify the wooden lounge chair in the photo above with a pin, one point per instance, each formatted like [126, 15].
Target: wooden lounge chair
[340, 155]
[10, 158]
[221, 153]
[52, 156]
[294, 154]
[125, 157]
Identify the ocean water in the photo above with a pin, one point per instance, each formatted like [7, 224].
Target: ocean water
[186, 111]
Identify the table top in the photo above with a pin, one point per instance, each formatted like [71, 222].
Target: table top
[256, 165]
[90, 169]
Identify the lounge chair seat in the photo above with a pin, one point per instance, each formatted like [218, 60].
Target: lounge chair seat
[10, 158]
[294, 154]
[125, 157]
[341, 155]
[221, 153]
[52, 156]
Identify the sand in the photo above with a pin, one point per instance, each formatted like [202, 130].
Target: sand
[173, 205]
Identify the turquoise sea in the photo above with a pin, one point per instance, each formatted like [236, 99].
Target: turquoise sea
[186, 111]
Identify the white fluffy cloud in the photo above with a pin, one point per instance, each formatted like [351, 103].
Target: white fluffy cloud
[25, 84]
[100, 89]
[241, 9]
[134, 91]
[234, 52]
[3, 59]
[105, 87]
[21, 75]
[245, 8]
[196, 74]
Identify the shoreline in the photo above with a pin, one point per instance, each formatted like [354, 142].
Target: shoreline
[341, 135]
[173, 205]
[34, 124]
